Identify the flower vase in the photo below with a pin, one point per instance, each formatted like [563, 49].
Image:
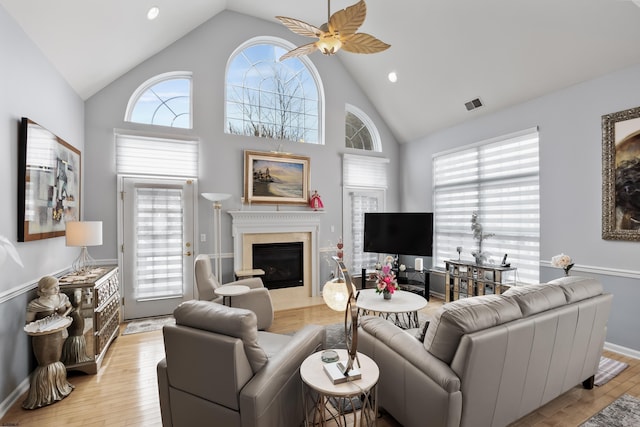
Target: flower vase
[566, 270]
[386, 295]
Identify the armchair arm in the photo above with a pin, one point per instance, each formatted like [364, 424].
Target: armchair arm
[377, 331]
[274, 392]
[252, 282]
[258, 301]
[163, 388]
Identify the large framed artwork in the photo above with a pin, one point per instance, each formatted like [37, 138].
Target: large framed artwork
[49, 171]
[276, 178]
[621, 175]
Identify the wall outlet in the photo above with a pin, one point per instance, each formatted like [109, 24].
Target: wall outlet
[203, 237]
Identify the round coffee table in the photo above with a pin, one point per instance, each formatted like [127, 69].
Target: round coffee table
[228, 291]
[401, 309]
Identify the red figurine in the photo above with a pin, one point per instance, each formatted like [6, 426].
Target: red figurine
[316, 202]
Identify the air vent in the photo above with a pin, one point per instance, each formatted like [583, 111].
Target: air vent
[473, 104]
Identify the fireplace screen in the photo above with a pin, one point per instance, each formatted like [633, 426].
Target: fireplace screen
[282, 263]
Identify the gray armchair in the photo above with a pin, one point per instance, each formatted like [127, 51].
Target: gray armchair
[220, 370]
[257, 300]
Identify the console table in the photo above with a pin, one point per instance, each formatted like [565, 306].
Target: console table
[96, 317]
[466, 279]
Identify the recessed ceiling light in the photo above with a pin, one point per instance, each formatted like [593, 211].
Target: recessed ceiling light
[393, 77]
[153, 13]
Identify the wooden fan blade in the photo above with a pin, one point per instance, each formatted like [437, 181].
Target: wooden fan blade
[300, 51]
[300, 27]
[347, 21]
[363, 43]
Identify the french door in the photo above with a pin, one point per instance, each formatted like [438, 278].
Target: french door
[157, 238]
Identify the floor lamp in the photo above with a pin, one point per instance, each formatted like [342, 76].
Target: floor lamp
[217, 199]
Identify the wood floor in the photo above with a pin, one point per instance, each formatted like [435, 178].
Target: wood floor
[124, 392]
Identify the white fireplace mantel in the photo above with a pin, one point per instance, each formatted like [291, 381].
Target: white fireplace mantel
[260, 222]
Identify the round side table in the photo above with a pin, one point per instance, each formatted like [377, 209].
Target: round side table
[334, 402]
[228, 291]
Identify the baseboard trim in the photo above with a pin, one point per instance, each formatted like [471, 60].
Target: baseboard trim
[14, 396]
[625, 351]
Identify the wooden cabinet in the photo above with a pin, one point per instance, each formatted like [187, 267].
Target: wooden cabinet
[96, 317]
[463, 279]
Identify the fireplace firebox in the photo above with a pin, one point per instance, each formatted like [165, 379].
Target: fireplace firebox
[282, 264]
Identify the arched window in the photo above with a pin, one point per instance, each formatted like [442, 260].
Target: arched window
[163, 100]
[360, 132]
[273, 99]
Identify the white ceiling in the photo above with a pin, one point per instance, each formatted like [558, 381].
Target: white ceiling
[446, 52]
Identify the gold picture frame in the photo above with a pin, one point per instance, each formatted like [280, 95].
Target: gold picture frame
[621, 175]
[276, 178]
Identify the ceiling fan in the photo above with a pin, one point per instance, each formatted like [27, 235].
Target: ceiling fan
[338, 32]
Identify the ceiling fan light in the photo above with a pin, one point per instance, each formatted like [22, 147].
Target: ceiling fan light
[329, 45]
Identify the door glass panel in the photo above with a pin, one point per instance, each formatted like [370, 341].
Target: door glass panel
[159, 243]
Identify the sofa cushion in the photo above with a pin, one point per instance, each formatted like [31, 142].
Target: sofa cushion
[578, 288]
[233, 322]
[464, 316]
[534, 299]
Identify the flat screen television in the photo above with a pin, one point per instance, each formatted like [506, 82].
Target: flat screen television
[401, 233]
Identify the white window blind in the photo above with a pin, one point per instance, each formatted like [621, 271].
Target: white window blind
[363, 171]
[364, 180]
[159, 224]
[499, 179]
[138, 155]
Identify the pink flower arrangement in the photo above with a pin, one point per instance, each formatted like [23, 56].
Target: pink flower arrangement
[385, 280]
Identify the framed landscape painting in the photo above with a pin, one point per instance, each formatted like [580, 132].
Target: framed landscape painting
[276, 178]
[621, 175]
[49, 173]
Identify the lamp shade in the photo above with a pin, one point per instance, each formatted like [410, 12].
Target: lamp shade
[215, 197]
[336, 294]
[84, 233]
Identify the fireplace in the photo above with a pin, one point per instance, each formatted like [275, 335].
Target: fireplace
[282, 264]
[251, 228]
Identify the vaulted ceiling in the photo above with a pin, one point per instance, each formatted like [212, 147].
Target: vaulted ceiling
[445, 52]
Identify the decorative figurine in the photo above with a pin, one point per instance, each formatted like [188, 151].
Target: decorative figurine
[46, 321]
[340, 252]
[315, 201]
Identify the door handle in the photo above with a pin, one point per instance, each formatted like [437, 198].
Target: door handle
[188, 253]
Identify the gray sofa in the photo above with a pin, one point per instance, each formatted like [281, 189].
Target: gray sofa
[220, 370]
[490, 360]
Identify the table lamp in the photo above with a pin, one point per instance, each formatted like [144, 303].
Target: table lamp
[217, 199]
[83, 234]
[339, 295]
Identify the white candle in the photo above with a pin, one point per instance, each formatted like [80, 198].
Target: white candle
[419, 265]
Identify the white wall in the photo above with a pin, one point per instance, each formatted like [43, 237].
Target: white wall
[570, 182]
[29, 87]
[205, 52]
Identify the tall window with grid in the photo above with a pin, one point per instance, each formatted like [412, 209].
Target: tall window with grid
[498, 179]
